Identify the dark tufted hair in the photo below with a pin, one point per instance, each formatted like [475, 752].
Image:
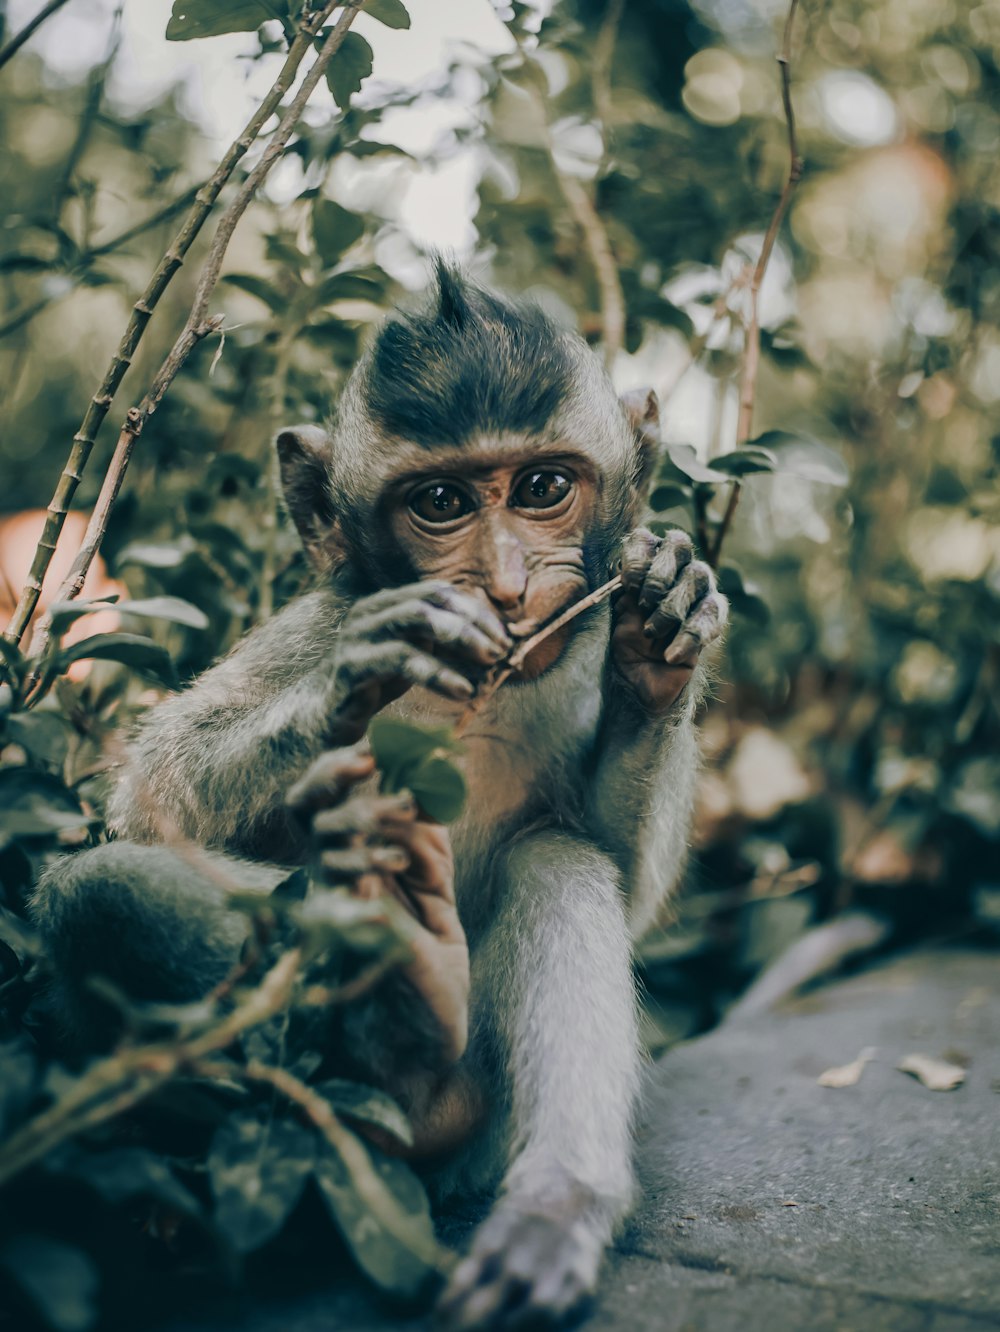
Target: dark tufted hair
[471, 362]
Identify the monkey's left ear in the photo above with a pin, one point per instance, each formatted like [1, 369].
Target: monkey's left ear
[642, 407]
[304, 464]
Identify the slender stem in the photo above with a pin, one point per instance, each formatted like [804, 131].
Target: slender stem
[600, 75]
[595, 237]
[29, 29]
[751, 355]
[123, 1080]
[100, 403]
[198, 324]
[520, 654]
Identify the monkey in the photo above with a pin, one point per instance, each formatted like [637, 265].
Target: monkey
[480, 473]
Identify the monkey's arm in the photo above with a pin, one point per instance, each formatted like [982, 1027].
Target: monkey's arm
[217, 760]
[642, 792]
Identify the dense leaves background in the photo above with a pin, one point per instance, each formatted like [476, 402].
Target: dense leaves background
[852, 738]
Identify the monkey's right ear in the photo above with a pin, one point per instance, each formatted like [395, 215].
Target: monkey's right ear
[304, 464]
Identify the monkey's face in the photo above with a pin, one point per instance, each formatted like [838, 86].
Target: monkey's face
[507, 525]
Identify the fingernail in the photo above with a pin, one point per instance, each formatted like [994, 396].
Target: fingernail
[648, 631]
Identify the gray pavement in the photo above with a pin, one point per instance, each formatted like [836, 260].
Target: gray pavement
[895, 1225]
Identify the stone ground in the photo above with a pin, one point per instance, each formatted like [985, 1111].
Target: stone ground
[895, 1225]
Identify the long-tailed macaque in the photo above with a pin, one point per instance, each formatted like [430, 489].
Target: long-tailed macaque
[480, 475]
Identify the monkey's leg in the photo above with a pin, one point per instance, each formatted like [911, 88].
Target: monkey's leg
[143, 917]
[557, 970]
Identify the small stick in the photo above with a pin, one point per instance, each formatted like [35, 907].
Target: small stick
[751, 358]
[520, 654]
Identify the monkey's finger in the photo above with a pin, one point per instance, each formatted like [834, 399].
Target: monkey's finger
[674, 555]
[638, 550]
[438, 592]
[474, 609]
[342, 866]
[699, 629]
[364, 816]
[398, 661]
[422, 620]
[696, 581]
[327, 779]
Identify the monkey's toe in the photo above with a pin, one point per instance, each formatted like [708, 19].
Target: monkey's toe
[524, 1272]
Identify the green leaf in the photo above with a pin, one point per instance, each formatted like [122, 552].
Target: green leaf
[390, 12]
[686, 461]
[44, 734]
[349, 67]
[669, 497]
[744, 596]
[13, 658]
[439, 788]
[156, 554]
[124, 1173]
[350, 287]
[401, 746]
[174, 609]
[257, 286]
[210, 18]
[381, 1209]
[335, 230]
[36, 804]
[746, 460]
[141, 654]
[801, 455]
[61, 1281]
[258, 1172]
[368, 1105]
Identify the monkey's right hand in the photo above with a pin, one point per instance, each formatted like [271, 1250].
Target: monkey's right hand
[427, 634]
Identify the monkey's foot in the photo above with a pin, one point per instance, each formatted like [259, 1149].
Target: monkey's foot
[525, 1271]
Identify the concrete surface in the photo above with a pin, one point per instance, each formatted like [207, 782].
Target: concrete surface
[896, 1189]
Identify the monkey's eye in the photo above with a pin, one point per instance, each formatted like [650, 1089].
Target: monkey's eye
[440, 503]
[541, 490]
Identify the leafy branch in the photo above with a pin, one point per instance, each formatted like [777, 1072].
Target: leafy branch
[751, 353]
[197, 326]
[142, 311]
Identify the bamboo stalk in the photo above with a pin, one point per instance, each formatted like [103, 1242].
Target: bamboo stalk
[173, 258]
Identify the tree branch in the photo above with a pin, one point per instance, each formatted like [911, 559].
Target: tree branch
[142, 311]
[751, 354]
[198, 323]
[595, 237]
[29, 29]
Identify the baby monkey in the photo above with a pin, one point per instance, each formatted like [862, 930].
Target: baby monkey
[481, 475]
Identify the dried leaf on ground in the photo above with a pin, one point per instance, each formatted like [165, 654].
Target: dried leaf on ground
[847, 1075]
[936, 1074]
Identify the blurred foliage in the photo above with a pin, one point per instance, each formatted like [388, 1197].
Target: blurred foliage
[851, 744]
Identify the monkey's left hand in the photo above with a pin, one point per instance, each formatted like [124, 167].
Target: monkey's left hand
[668, 611]
[379, 845]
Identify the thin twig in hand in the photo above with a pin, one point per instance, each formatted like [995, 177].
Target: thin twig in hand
[198, 322]
[100, 403]
[29, 29]
[520, 654]
[751, 355]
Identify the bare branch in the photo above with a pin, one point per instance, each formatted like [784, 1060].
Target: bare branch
[142, 311]
[751, 354]
[602, 257]
[29, 29]
[198, 323]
